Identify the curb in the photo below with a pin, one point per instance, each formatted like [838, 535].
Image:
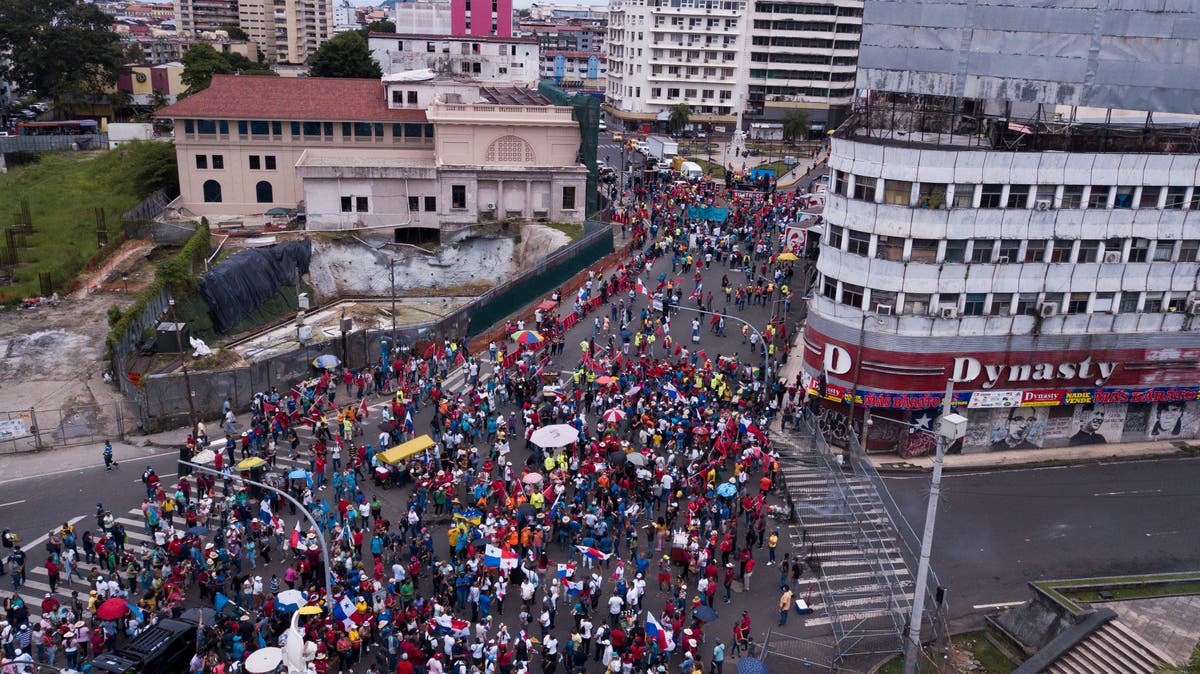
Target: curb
[904, 468]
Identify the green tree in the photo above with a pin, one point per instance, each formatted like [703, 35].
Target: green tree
[200, 63]
[235, 33]
[120, 101]
[384, 26]
[151, 167]
[681, 113]
[245, 66]
[346, 55]
[795, 124]
[61, 49]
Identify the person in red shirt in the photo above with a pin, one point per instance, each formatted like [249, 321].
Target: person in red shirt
[403, 666]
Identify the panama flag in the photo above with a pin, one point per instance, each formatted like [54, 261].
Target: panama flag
[655, 631]
[294, 541]
[408, 422]
[453, 625]
[747, 426]
[671, 391]
[641, 288]
[502, 559]
[593, 552]
[573, 587]
[347, 612]
[566, 571]
[264, 513]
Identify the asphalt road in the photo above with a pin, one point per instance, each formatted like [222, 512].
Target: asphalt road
[997, 531]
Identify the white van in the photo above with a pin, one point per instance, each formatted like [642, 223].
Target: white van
[691, 170]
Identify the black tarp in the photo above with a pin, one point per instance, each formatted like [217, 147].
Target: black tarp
[240, 284]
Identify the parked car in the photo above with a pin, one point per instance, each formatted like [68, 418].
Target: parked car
[603, 125]
[618, 136]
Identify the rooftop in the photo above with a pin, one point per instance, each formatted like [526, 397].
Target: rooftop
[456, 38]
[513, 96]
[291, 98]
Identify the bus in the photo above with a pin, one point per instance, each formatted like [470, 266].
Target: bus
[67, 128]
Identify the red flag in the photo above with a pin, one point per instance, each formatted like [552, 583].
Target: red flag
[458, 359]
[362, 409]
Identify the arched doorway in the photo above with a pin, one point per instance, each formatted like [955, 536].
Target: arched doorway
[212, 192]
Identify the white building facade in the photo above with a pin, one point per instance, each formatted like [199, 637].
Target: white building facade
[486, 59]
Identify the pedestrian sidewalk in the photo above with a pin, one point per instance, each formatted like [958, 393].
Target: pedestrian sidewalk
[1027, 458]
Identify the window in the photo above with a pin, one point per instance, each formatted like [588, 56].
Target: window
[362, 204]
[1129, 302]
[1153, 303]
[852, 295]
[1045, 193]
[964, 196]
[1176, 197]
[212, 192]
[263, 192]
[414, 204]
[1139, 250]
[839, 183]
[916, 304]
[1061, 251]
[206, 126]
[860, 243]
[864, 188]
[430, 204]
[429, 47]
[1124, 198]
[885, 298]
[295, 129]
[1194, 204]
[1001, 303]
[989, 196]
[1077, 303]
[218, 161]
[974, 304]
[277, 128]
[931, 195]
[924, 250]
[312, 129]
[243, 127]
[889, 248]
[269, 162]
[835, 236]
[1027, 304]
[981, 251]
[1149, 198]
[1089, 251]
[1163, 250]
[255, 162]
[347, 204]
[1103, 302]
[956, 250]
[260, 128]
[1116, 246]
[1176, 303]
[568, 197]
[898, 192]
[1010, 251]
[458, 196]
[411, 97]
[1099, 196]
[201, 161]
[1018, 196]
[829, 288]
[189, 126]
[1035, 250]
[1072, 196]
[1189, 250]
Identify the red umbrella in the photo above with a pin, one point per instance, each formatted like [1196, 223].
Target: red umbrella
[112, 609]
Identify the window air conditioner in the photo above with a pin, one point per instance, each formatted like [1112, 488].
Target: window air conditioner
[1112, 257]
[1042, 204]
[1193, 307]
[490, 207]
[883, 309]
[948, 312]
[1048, 309]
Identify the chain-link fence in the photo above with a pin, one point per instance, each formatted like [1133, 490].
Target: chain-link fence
[36, 428]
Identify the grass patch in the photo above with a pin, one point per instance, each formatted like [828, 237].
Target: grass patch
[571, 229]
[63, 193]
[1135, 592]
[711, 168]
[990, 657]
[778, 167]
[1087, 589]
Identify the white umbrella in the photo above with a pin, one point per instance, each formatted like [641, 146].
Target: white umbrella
[264, 660]
[556, 435]
[204, 456]
[293, 598]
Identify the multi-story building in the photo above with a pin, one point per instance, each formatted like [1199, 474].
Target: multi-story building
[487, 59]
[422, 17]
[557, 12]
[345, 17]
[145, 83]
[981, 229]
[478, 18]
[665, 52]
[414, 151]
[196, 16]
[300, 28]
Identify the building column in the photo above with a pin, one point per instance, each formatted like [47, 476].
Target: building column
[528, 200]
[501, 207]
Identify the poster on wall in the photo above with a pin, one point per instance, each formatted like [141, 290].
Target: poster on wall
[994, 399]
[1097, 424]
[1171, 420]
[14, 428]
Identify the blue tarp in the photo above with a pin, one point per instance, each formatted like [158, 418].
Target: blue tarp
[708, 213]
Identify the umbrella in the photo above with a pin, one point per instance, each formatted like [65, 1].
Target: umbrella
[605, 380]
[617, 458]
[527, 337]
[704, 614]
[787, 257]
[204, 456]
[297, 474]
[725, 489]
[198, 530]
[614, 416]
[326, 361]
[633, 391]
[276, 211]
[199, 614]
[250, 463]
[527, 509]
[625, 333]
[636, 459]
[532, 478]
[264, 660]
[310, 610]
[701, 430]
[556, 435]
[751, 666]
[547, 305]
[290, 600]
[112, 609]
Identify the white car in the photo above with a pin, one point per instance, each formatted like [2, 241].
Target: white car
[603, 125]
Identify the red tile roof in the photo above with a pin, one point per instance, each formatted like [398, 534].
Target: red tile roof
[291, 98]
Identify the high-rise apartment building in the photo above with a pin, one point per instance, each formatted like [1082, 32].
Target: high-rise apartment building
[194, 16]
[257, 18]
[300, 28]
[726, 57]
[481, 18]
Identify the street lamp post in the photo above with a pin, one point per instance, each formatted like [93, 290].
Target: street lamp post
[950, 427]
[766, 358]
[187, 380]
[307, 515]
[392, 277]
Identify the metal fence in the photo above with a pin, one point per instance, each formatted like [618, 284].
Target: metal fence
[97, 141]
[36, 429]
[782, 652]
[138, 221]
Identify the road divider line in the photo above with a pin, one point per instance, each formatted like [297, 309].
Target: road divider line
[1003, 604]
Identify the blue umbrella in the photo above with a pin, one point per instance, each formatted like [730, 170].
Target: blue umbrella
[752, 666]
[326, 361]
[704, 614]
[726, 490]
[198, 530]
[297, 474]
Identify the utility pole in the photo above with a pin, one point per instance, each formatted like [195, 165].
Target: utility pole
[187, 381]
[912, 645]
[392, 276]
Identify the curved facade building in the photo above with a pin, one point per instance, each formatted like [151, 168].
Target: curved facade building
[1056, 287]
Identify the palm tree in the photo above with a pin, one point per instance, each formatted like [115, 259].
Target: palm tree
[795, 124]
[681, 113]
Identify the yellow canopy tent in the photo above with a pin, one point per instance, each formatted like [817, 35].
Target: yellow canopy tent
[404, 450]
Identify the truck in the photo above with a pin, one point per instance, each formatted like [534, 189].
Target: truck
[662, 148]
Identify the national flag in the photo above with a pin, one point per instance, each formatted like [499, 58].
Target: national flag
[362, 409]
[453, 625]
[264, 513]
[671, 391]
[593, 552]
[641, 287]
[655, 631]
[459, 359]
[747, 426]
[347, 612]
[501, 559]
[294, 541]
[573, 587]
[566, 571]
[695, 293]
[408, 422]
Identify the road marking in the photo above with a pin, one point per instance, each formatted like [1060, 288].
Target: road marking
[12, 503]
[1166, 533]
[46, 536]
[1003, 604]
[1126, 493]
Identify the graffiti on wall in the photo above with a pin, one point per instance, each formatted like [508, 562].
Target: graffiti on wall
[1078, 425]
[836, 426]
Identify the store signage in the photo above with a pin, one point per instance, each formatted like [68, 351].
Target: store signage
[968, 370]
